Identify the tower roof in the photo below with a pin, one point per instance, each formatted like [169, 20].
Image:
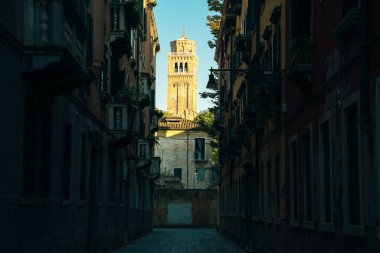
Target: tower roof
[178, 123]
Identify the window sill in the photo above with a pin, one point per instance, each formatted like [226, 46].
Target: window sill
[37, 201]
[326, 227]
[308, 225]
[294, 223]
[70, 202]
[353, 230]
[254, 218]
[243, 216]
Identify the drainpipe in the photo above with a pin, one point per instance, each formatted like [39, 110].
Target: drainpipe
[364, 78]
[143, 206]
[187, 159]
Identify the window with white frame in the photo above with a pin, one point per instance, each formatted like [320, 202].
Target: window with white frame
[325, 172]
[200, 149]
[308, 182]
[294, 178]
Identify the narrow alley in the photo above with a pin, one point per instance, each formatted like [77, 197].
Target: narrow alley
[189, 126]
[182, 240]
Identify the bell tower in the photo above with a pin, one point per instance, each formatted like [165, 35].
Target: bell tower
[183, 78]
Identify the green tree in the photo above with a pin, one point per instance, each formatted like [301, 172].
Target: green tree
[213, 21]
[205, 120]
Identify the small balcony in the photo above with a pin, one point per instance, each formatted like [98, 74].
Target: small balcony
[237, 5]
[155, 166]
[121, 45]
[229, 18]
[124, 15]
[144, 154]
[57, 40]
[118, 124]
[155, 116]
[301, 54]
[144, 91]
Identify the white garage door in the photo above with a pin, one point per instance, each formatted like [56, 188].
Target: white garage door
[179, 213]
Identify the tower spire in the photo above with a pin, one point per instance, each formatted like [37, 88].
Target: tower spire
[184, 33]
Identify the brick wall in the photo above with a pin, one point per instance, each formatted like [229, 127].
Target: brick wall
[201, 203]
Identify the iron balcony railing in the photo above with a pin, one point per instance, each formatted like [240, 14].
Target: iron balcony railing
[302, 50]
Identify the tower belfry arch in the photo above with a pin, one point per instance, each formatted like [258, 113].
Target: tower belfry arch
[182, 78]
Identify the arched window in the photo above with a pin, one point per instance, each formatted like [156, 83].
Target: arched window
[186, 67]
[180, 67]
[176, 67]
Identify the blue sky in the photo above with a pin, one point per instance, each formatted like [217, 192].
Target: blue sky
[172, 16]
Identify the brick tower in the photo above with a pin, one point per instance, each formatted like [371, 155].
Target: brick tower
[183, 78]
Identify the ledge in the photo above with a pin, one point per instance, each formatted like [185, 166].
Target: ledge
[294, 223]
[354, 230]
[308, 225]
[326, 227]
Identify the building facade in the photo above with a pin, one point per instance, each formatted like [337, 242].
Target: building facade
[185, 153]
[298, 125]
[79, 77]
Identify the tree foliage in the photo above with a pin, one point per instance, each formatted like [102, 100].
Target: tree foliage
[213, 21]
[205, 119]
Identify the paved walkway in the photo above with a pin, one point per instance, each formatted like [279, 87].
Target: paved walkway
[186, 240]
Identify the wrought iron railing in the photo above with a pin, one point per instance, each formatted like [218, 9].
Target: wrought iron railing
[301, 52]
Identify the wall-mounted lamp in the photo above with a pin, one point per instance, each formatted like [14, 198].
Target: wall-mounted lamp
[211, 84]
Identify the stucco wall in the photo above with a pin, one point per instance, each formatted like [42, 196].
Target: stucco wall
[177, 150]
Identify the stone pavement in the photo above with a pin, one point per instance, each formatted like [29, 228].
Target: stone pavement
[182, 240]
